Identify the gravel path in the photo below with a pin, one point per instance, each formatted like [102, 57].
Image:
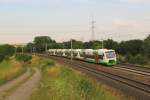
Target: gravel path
[24, 91]
[11, 84]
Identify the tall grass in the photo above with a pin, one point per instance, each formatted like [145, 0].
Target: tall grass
[10, 69]
[63, 83]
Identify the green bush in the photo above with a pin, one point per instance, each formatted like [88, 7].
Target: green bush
[1, 57]
[49, 63]
[128, 58]
[23, 58]
[121, 59]
[138, 59]
[46, 63]
[6, 51]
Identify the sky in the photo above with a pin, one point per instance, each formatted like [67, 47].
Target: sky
[22, 20]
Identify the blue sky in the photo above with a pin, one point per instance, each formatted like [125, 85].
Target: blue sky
[21, 20]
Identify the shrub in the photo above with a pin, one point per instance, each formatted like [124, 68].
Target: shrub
[44, 63]
[128, 58]
[121, 59]
[23, 58]
[139, 59]
[1, 57]
[49, 63]
[6, 51]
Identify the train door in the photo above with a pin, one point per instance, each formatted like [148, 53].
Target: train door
[96, 58]
[78, 54]
[101, 58]
[84, 56]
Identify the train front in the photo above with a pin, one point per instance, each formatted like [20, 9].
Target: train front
[108, 57]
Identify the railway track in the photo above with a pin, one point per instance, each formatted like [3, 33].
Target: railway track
[133, 70]
[134, 67]
[141, 88]
[114, 71]
[139, 85]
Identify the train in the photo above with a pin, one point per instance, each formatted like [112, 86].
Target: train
[98, 56]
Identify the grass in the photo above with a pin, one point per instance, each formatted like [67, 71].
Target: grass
[9, 69]
[63, 83]
[139, 60]
[147, 65]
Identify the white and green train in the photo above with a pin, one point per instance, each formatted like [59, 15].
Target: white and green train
[99, 56]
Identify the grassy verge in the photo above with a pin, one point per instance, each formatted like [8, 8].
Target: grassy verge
[10, 69]
[138, 60]
[63, 83]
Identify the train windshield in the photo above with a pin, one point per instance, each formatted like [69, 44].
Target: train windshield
[110, 54]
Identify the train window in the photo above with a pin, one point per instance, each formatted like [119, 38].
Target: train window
[110, 54]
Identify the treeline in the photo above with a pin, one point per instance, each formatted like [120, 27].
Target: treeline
[131, 47]
[41, 43]
[132, 51]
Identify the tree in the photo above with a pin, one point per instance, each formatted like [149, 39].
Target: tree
[67, 45]
[29, 47]
[75, 44]
[57, 46]
[6, 51]
[121, 48]
[110, 44]
[93, 45]
[147, 46]
[132, 47]
[41, 42]
[19, 49]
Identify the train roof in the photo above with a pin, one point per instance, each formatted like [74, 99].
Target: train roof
[82, 50]
[105, 49]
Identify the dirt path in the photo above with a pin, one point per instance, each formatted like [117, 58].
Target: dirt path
[24, 91]
[11, 84]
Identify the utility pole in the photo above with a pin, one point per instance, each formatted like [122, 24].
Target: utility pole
[71, 50]
[34, 50]
[31, 50]
[93, 29]
[63, 46]
[15, 49]
[22, 49]
[102, 44]
[46, 48]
